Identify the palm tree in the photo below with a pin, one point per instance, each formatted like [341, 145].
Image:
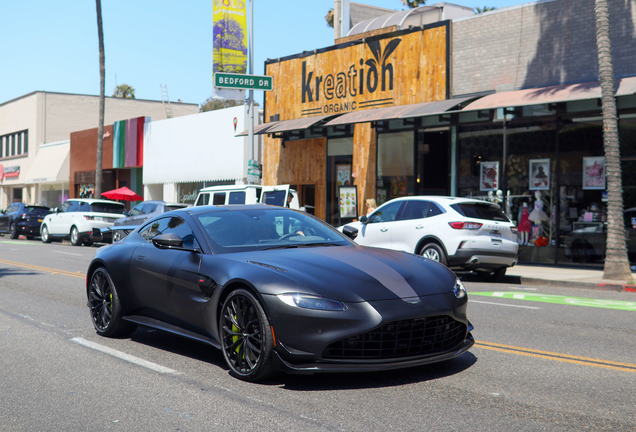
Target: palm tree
[124, 91]
[413, 3]
[102, 99]
[329, 18]
[479, 10]
[616, 263]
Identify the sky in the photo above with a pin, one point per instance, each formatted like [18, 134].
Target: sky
[53, 46]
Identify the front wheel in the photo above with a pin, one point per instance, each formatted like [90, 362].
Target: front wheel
[246, 337]
[13, 231]
[106, 311]
[433, 252]
[44, 234]
[75, 237]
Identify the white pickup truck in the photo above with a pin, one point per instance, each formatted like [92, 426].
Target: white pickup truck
[248, 194]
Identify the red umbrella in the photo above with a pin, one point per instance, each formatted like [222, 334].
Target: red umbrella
[123, 193]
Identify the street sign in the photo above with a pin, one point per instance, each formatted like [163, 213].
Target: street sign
[253, 171]
[243, 81]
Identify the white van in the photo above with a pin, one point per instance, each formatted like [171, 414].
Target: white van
[248, 194]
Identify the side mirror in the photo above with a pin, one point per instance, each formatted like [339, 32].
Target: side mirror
[350, 232]
[168, 241]
[363, 219]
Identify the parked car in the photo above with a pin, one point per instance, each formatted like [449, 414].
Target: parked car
[461, 233]
[279, 195]
[141, 213]
[20, 218]
[245, 280]
[77, 217]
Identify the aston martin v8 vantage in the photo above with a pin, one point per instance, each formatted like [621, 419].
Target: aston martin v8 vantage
[278, 289]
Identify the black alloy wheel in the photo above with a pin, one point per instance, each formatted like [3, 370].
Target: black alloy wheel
[434, 252]
[246, 337]
[106, 312]
[44, 234]
[75, 237]
[13, 231]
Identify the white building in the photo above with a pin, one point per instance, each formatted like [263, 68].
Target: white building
[33, 173]
[182, 155]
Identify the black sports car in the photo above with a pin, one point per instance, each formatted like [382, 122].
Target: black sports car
[276, 288]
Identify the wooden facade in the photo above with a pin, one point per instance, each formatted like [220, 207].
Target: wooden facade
[398, 68]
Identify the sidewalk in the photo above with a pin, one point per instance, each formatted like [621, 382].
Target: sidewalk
[562, 276]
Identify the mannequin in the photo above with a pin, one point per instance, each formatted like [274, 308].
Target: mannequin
[524, 227]
[537, 215]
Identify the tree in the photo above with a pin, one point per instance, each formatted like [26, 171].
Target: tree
[616, 263]
[479, 10]
[215, 104]
[102, 99]
[124, 91]
[329, 18]
[413, 3]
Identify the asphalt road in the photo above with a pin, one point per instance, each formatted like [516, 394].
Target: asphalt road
[540, 363]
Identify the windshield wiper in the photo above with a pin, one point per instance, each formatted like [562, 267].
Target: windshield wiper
[303, 245]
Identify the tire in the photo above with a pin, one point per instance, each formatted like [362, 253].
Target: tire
[44, 234]
[75, 237]
[88, 243]
[13, 231]
[495, 275]
[105, 308]
[433, 252]
[246, 337]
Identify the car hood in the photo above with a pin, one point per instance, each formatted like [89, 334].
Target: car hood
[349, 273]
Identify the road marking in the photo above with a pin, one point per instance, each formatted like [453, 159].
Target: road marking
[68, 253]
[44, 269]
[561, 299]
[503, 304]
[586, 361]
[15, 242]
[127, 357]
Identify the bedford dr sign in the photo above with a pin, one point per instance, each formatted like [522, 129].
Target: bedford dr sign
[242, 81]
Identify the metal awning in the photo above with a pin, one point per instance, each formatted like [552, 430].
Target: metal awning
[51, 165]
[553, 94]
[399, 112]
[288, 125]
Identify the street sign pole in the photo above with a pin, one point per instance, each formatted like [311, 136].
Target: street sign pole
[251, 97]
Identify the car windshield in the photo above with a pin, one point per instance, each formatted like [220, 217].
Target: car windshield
[267, 228]
[481, 211]
[108, 208]
[36, 209]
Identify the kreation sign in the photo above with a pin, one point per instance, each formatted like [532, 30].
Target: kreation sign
[243, 81]
[343, 85]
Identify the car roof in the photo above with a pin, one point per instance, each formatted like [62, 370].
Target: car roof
[211, 208]
[443, 199]
[94, 200]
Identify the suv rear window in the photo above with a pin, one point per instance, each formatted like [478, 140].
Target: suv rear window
[108, 208]
[480, 211]
[36, 209]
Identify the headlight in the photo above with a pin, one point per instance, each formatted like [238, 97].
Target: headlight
[307, 301]
[459, 290]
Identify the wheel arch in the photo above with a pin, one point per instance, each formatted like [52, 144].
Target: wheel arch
[427, 240]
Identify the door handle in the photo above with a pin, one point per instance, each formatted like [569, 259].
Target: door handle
[419, 227]
[141, 257]
[384, 229]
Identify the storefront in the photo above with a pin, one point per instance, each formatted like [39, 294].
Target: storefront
[49, 172]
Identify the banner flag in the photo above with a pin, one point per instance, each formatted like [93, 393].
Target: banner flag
[230, 41]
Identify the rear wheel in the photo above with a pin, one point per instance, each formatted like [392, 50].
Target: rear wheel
[433, 252]
[246, 337]
[45, 234]
[75, 237]
[106, 311]
[13, 231]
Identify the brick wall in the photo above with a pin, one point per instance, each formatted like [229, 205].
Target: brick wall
[538, 44]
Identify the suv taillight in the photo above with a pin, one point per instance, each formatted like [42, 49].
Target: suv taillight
[513, 230]
[89, 217]
[465, 225]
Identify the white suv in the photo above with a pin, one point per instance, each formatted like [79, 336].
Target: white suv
[77, 217]
[462, 233]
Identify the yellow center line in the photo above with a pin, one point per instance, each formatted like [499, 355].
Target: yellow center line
[586, 361]
[44, 269]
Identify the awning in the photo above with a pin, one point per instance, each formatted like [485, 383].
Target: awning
[287, 125]
[553, 94]
[51, 165]
[399, 112]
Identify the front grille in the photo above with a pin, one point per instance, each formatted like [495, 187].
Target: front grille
[406, 338]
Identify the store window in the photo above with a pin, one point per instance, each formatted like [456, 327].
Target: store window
[339, 173]
[395, 166]
[14, 144]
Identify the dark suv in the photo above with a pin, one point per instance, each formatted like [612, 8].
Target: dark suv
[20, 218]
